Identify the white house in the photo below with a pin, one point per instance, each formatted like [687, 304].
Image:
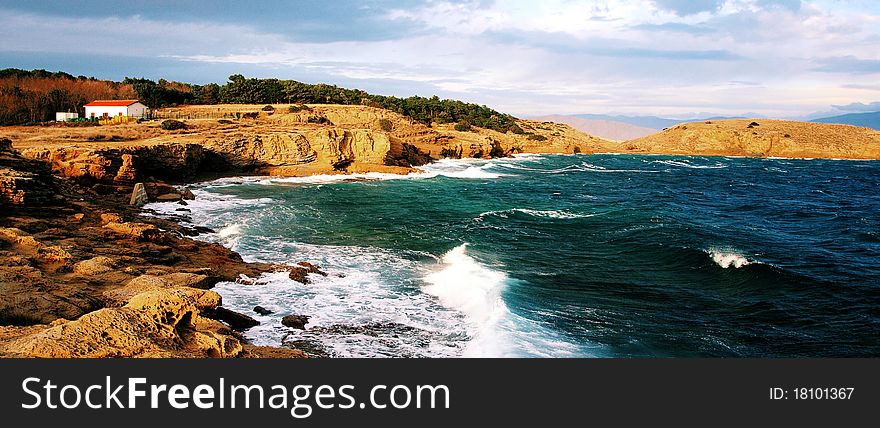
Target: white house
[110, 108]
[61, 116]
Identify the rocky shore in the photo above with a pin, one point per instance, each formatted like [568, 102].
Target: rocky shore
[84, 274]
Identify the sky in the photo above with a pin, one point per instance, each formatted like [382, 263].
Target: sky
[679, 58]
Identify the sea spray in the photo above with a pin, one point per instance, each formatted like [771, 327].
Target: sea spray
[727, 259]
[475, 290]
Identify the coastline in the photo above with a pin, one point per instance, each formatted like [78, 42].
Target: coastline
[87, 275]
[78, 259]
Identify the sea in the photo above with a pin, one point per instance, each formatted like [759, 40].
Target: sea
[599, 255]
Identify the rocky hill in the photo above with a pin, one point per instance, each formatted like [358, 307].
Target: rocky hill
[316, 139]
[760, 138]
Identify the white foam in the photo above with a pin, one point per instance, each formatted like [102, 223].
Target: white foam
[468, 287]
[460, 168]
[586, 166]
[728, 259]
[559, 214]
[687, 164]
[364, 287]
[464, 284]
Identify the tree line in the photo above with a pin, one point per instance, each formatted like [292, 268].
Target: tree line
[34, 96]
[238, 90]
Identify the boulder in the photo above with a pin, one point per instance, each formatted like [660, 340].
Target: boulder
[139, 231]
[94, 266]
[310, 268]
[234, 319]
[126, 173]
[168, 197]
[295, 321]
[261, 310]
[139, 195]
[158, 323]
[187, 194]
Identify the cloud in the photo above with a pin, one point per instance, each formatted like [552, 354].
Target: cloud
[849, 65]
[792, 5]
[689, 7]
[520, 56]
[675, 27]
[859, 107]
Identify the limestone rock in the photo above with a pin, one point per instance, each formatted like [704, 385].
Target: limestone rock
[27, 244]
[139, 231]
[139, 195]
[262, 311]
[310, 268]
[234, 319]
[156, 323]
[94, 266]
[295, 321]
[194, 284]
[126, 173]
[168, 197]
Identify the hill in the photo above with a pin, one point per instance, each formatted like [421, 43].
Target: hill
[33, 97]
[285, 140]
[868, 120]
[610, 129]
[761, 138]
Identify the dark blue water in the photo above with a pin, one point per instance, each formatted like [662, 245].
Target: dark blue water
[599, 255]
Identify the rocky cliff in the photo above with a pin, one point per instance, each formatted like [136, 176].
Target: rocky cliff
[82, 275]
[760, 138]
[316, 140]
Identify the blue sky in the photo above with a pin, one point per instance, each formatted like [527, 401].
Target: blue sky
[778, 58]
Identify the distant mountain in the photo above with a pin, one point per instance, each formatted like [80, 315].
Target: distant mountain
[619, 127]
[608, 129]
[868, 120]
[652, 122]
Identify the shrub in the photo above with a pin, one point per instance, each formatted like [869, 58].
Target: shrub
[320, 120]
[536, 137]
[298, 108]
[225, 122]
[463, 126]
[171, 124]
[250, 115]
[754, 124]
[386, 125]
[269, 108]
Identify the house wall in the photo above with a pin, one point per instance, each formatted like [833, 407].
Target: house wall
[61, 116]
[111, 111]
[137, 110]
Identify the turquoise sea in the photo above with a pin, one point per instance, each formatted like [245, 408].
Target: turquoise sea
[563, 256]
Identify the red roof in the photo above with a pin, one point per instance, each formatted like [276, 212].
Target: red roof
[111, 103]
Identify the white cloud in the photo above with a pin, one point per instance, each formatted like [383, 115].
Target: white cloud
[538, 57]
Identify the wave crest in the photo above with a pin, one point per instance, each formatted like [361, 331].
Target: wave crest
[728, 259]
